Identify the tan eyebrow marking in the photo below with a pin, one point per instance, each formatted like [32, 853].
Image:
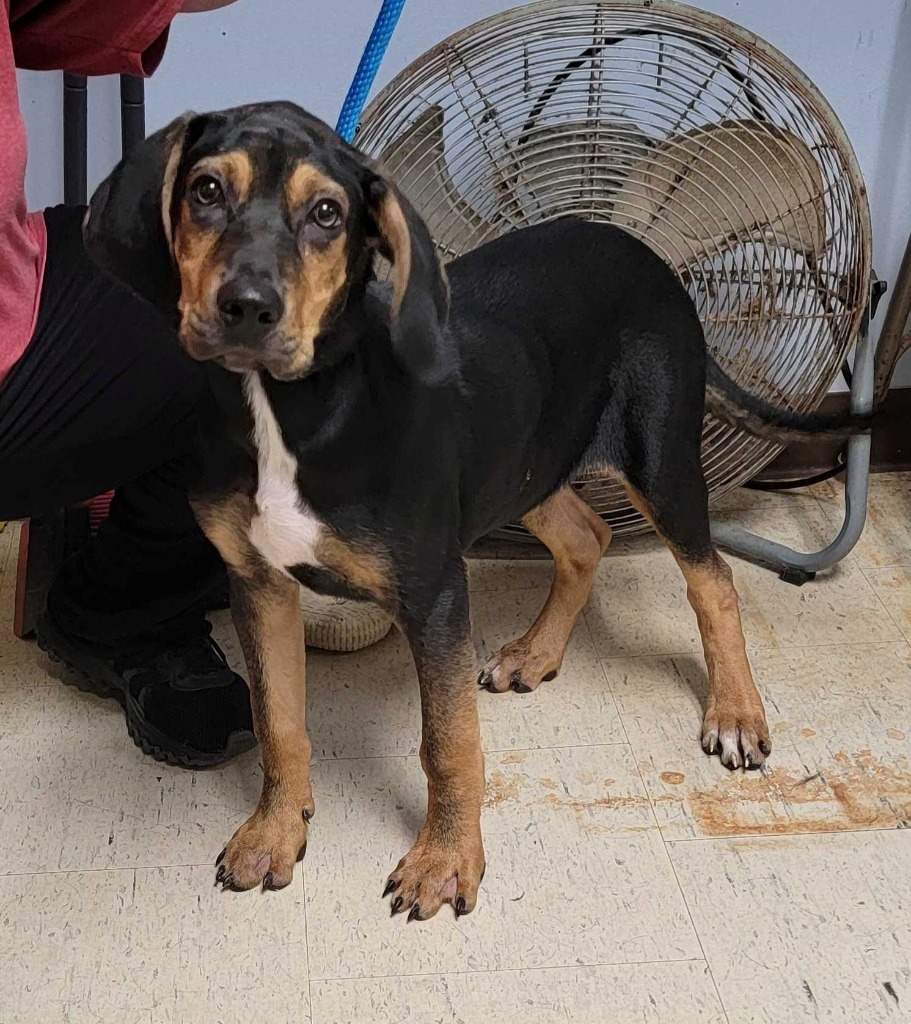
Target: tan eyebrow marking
[234, 168]
[306, 181]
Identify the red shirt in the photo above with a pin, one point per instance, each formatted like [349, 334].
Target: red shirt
[86, 37]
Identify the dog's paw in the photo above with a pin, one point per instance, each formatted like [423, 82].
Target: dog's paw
[434, 873]
[740, 738]
[263, 851]
[521, 666]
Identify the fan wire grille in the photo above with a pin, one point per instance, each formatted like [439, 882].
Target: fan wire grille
[680, 127]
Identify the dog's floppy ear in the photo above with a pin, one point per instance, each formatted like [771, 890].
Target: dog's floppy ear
[420, 292]
[128, 226]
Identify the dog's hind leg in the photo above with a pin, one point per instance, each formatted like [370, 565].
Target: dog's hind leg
[577, 538]
[669, 489]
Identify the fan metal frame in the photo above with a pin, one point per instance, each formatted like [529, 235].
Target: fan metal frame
[645, 172]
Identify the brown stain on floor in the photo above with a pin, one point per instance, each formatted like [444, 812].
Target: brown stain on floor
[583, 809]
[855, 791]
[852, 791]
[502, 787]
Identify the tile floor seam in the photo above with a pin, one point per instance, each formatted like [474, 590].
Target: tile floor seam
[303, 889]
[771, 836]
[689, 912]
[486, 750]
[824, 512]
[594, 647]
[512, 970]
[760, 650]
[667, 854]
[110, 868]
[819, 505]
[882, 603]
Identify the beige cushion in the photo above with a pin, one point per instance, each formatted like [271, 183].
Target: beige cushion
[333, 624]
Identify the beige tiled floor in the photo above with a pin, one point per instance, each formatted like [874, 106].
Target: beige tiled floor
[630, 878]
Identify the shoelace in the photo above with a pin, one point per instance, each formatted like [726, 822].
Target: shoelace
[200, 657]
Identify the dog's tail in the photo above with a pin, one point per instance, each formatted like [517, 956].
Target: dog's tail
[731, 403]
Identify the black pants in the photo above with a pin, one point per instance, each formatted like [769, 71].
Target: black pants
[104, 398]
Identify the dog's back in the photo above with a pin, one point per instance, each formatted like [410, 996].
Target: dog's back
[560, 327]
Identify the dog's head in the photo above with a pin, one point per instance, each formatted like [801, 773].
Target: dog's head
[254, 228]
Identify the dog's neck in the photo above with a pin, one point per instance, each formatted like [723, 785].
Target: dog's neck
[350, 409]
[354, 371]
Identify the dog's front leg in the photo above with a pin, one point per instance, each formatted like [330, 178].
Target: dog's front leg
[265, 606]
[267, 846]
[446, 863]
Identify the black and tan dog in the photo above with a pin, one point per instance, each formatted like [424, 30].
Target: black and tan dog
[361, 442]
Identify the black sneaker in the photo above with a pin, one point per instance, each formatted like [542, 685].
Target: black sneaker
[183, 705]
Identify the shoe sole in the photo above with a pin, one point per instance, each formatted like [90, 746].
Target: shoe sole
[149, 739]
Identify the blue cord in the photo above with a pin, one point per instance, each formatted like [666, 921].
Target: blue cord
[369, 64]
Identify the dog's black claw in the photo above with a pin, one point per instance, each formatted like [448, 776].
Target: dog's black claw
[485, 681]
[227, 882]
[301, 852]
[516, 684]
[765, 746]
[267, 881]
[221, 856]
[397, 905]
[220, 874]
[306, 814]
[549, 676]
[415, 913]
[390, 887]
[460, 906]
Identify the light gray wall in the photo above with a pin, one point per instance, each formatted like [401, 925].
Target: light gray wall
[858, 52]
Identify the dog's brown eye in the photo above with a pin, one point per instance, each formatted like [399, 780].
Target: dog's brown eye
[207, 191]
[327, 214]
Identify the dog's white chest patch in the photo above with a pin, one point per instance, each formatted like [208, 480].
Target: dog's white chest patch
[284, 529]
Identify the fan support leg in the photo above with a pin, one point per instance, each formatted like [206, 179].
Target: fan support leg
[799, 567]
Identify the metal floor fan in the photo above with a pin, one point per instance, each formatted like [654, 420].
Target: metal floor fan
[692, 134]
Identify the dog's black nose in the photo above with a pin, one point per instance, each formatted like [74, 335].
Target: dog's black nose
[249, 311]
